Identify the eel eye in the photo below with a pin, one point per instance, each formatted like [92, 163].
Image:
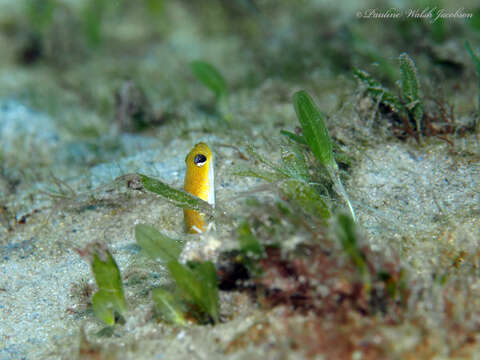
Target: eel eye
[200, 160]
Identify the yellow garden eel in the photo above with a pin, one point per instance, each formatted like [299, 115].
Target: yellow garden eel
[199, 181]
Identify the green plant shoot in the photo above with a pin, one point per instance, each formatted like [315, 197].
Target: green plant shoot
[476, 61]
[410, 85]
[316, 135]
[378, 92]
[109, 298]
[155, 7]
[251, 249]
[293, 178]
[94, 14]
[295, 163]
[348, 238]
[249, 243]
[198, 281]
[210, 77]
[307, 197]
[40, 13]
[297, 138]
[177, 197]
[157, 245]
[314, 129]
[169, 306]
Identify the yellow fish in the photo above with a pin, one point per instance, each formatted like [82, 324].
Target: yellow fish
[199, 181]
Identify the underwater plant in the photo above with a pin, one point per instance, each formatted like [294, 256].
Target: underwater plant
[108, 302]
[476, 61]
[213, 80]
[174, 196]
[210, 77]
[410, 85]
[316, 135]
[409, 105]
[40, 13]
[345, 230]
[195, 295]
[293, 179]
[196, 282]
[93, 17]
[305, 180]
[409, 114]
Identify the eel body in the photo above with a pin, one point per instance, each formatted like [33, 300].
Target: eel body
[199, 181]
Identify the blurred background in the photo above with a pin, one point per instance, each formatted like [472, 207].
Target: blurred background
[69, 57]
[73, 73]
